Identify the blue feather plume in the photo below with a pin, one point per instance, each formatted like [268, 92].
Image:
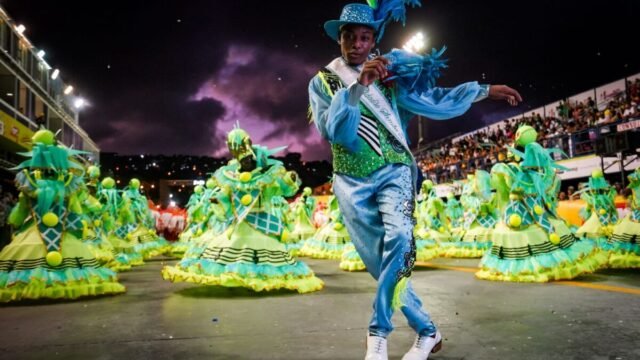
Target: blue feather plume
[391, 10]
[416, 72]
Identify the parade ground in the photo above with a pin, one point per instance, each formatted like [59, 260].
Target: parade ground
[592, 317]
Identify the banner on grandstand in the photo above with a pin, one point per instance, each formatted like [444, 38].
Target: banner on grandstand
[583, 166]
[634, 77]
[582, 97]
[608, 92]
[628, 125]
[551, 110]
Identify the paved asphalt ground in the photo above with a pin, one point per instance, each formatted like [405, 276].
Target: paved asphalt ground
[594, 317]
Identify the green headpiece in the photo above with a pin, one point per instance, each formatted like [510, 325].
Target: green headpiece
[526, 135]
[108, 183]
[134, 184]
[45, 154]
[597, 181]
[239, 143]
[307, 191]
[198, 189]
[93, 171]
[427, 185]
[211, 184]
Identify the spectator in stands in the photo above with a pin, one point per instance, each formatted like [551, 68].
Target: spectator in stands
[570, 192]
[562, 196]
[618, 187]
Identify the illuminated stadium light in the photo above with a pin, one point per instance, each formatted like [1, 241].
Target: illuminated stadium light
[54, 74]
[79, 103]
[20, 29]
[416, 43]
[68, 90]
[40, 54]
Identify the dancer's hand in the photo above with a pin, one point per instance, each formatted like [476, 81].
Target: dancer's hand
[373, 70]
[503, 92]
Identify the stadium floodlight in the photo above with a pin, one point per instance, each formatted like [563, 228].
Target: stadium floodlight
[68, 90]
[79, 103]
[416, 43]
[20, 29]
[54, 74]
[40, 54]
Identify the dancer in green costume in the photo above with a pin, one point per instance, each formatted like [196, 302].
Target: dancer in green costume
[215, 219]
[142, 231]
[302, 226]
[530, 243]
[479, 218]
[93, 234]
[115, 221]
[330, 240]
[46, 258]
[430, 231]
[624, 242]
[249, 253]
[600, 213]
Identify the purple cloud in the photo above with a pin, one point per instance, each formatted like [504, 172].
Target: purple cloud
[266, 92]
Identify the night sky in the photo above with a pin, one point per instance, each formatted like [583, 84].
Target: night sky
[173, 76]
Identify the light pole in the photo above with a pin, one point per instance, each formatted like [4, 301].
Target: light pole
[416, 44]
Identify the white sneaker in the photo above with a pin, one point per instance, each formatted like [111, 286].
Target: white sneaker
[376, 348]
[423, 346]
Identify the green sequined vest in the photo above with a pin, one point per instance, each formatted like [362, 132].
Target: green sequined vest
[364, 161]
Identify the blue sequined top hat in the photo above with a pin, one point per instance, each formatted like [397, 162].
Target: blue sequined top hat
[360, 14]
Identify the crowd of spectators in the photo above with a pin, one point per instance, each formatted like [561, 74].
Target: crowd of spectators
[447, 160]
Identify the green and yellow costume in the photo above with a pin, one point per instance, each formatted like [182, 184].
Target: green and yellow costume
[46, 257]
[530, 243]
[249, 253]
[623, 244]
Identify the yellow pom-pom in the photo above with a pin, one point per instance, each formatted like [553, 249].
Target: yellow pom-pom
[54, 258]
[245, 176]
[44, 136]
[338, 226]
[602, 211]
[554, 238]
[152, 231]
[246, 200]
[97, 222]
[597, 173]
[441, 229]
[199, 232]
[514, 197]
[284, 237]
[129, 236]
[538, 210]
[515, 221]
[50, 219]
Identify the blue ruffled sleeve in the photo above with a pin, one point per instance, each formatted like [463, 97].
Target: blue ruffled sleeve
[337, 118]
[442, 103]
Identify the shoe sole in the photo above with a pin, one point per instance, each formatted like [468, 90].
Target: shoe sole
[437, 347]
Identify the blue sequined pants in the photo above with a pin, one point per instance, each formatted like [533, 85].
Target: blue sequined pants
[378, 214]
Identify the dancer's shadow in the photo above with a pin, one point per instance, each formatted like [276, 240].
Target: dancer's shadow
[222, 292]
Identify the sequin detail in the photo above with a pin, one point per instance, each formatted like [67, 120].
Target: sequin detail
[365, 160]
[407, 208]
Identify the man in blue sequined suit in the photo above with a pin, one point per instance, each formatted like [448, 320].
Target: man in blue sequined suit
[365, 122]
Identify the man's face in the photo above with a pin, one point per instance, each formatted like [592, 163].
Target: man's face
[356, 42]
